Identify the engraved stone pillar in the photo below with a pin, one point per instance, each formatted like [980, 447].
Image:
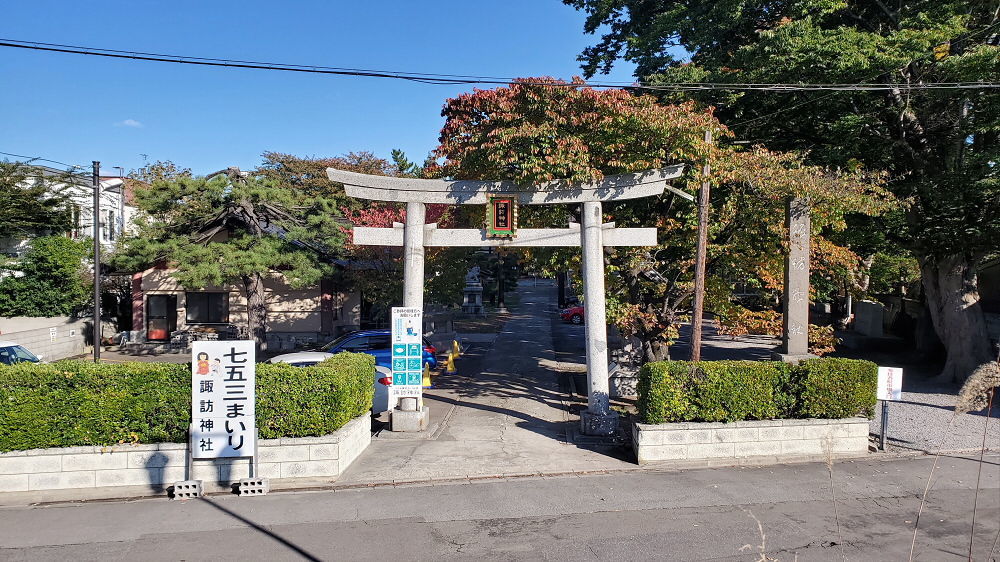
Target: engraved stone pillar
[598, 419]
[795, 308]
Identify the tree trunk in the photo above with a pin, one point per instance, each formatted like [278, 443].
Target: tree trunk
[256, 309]
[656, 350]
[953, 300]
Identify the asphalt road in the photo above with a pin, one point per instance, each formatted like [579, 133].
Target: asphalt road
[764, 513]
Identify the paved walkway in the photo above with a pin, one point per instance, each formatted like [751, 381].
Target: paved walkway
[503, 415]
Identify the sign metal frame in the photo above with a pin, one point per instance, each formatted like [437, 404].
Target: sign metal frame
[501, 216]
[223, 402]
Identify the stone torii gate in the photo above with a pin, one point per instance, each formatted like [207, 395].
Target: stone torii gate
[592, 235]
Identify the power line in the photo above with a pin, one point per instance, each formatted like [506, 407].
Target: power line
[34, 158]
[455, 79]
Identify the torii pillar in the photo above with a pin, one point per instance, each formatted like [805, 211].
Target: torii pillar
[593, 236]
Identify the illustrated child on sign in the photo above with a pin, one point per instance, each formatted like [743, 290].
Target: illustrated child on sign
[409, 328]
[202, 365]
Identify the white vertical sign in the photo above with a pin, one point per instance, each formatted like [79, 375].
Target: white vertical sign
[223, 398]
[890, 383]
[407, 352]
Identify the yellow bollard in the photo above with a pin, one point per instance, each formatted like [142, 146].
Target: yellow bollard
[451, 369]
[455, 348]
[427, 382]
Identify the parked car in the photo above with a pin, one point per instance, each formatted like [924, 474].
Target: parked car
[372, 342]
[11, 353]
[573, 314]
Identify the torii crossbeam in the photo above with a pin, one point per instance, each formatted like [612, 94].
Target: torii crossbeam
[592, 235]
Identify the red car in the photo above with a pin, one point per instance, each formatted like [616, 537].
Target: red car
[573, 314]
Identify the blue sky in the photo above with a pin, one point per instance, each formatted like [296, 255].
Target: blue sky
[76, 108]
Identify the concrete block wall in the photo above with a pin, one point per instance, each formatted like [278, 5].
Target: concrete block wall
[69, 339]
[154, 467]
[778, 440]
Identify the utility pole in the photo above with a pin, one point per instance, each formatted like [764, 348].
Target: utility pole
[701, 256]
[97, 259]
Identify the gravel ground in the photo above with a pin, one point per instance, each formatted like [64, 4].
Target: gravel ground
[925, 419]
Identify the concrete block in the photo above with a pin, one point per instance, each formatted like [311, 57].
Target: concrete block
[310, 468]
[14, 483]
[129, 477]
[780, 433]
[807, 422]
[817, 432]
[204, 470]
[758, 449]
[665, 426]
[710, 450]
[317, 440]
[269, 470]
[156, 458]
[758, 423]
[283, 453]
[850, 445]
[95, 461]
[188, 489]
[30, 465]
[661, 453]
[698, 436]
[62, 480]
[231, 470]
[81, 450]
[735, 434]
[859, 429]
[668, 437]
[256, 486]
[803, 447]
[325, 451]
[410, 421]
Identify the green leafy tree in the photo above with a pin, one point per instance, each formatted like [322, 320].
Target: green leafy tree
[235, 229]
[939, 146]
[33, 202]
[531, 132]
[50, 280]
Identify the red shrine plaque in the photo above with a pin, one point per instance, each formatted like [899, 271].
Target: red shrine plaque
[501, 216]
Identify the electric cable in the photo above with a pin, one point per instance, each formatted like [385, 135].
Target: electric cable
[451, 79]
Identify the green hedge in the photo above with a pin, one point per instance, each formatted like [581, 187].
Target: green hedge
[673, 391]
[81, 403]
[837, 388]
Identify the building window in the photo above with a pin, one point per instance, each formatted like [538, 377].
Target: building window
[207, 308]
[111, 226]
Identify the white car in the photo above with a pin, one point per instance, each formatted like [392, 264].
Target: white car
[12, 352]
[383, 376]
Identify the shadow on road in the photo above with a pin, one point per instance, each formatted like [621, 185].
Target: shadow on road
[264, 530]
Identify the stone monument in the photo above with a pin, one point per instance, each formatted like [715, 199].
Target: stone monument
[473, 292]
[795, 308]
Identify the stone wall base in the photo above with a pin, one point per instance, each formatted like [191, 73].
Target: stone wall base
[765, 440]
[94, 472]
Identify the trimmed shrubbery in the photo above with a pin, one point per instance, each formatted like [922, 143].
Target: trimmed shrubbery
[81, 403]
[675, 391]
